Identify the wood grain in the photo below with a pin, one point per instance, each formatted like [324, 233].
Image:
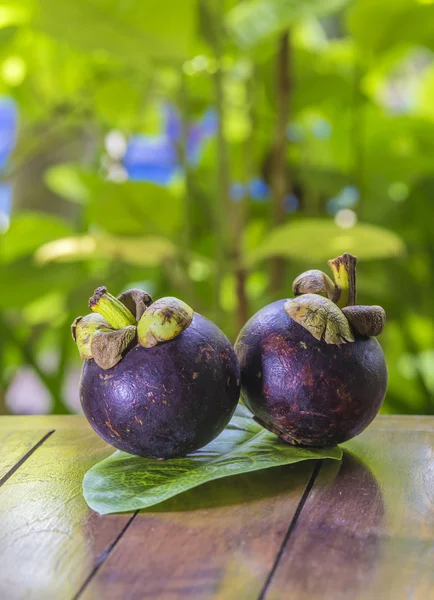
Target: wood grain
[14, 446]
[216, 541]
[367, 528]
[49, 540]
[44, 422]
[365, 531]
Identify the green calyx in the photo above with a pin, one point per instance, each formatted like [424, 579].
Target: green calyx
[83, 330]
[315, 282]
[163, 320]
[108, 346]
[366, 320]
[111, 308]
[328, 310]
[321, 317]
[115, 323]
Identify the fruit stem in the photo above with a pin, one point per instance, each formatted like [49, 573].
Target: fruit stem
[112, 309]
[344, 273]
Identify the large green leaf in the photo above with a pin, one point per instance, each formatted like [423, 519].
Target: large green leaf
[255, 21]
[144, 252]
[123, 482]
[316, 240]
[23, 281]
[392, 22]
[66, 180]
[130, 31]
[134, 207]
[28, 231]
[131, 207]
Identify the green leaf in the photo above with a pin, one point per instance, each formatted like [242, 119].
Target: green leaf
[64, 180]
[253, 22]
[131, 207]
[24, 282]
[134, 207]
[131, 31]
[391, 23]
[130, 91]
[144, 252]
[28, 231]
[123, 482]
[316, 240]
[7, 34]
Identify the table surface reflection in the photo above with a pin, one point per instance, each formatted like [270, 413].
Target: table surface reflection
[359, 529]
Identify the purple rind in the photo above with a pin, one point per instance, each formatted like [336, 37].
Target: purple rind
[308, 392]
[168, 400]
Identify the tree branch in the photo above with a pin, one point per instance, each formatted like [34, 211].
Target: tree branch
[279, 187]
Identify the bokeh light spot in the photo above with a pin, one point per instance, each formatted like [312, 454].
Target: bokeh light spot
[398, 191]
[115, 144]
[345, 218]
[13, 70]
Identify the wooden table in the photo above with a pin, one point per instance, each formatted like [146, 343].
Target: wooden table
[363, 528]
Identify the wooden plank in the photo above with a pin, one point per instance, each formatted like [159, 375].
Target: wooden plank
[367, 528]
[403, 422]
[217, 541]
[49, 540]
[14, 446]
[44, 422]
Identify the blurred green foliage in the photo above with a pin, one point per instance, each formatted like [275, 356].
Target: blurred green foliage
[357, 162]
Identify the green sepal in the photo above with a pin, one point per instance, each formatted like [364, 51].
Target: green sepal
[108, 346]
[165, 319]
[83, 329]
[321, 317]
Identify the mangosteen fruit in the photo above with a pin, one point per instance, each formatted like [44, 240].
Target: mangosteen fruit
[159, 380]
[312, 370]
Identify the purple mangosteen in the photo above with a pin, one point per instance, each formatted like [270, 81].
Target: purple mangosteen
[159, 380]
[312, 370]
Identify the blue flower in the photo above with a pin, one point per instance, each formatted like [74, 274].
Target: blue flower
[8, 137]
[151, 158]
[290, 203]
[5, 198]
[8, 129]
[258, 189]
[156, 158]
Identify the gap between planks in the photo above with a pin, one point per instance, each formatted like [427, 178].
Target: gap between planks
[291, 528]
[104, 556]
[107, 551]
[23, 459]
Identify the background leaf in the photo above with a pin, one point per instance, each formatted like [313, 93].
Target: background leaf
[26, 281]
[320, 239]
[28, 231]
[123, 482]
[254, 21]
[131, 31]
[132, 207]
[392, 22]
[65, 180]
[149, 251]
